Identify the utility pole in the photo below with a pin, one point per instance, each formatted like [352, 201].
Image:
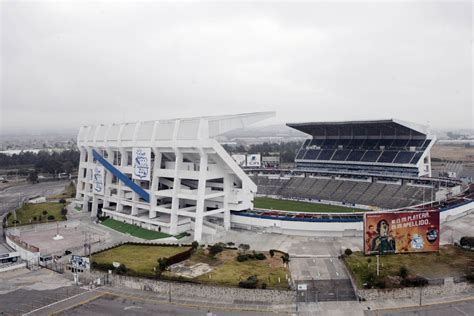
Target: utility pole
[378, 265]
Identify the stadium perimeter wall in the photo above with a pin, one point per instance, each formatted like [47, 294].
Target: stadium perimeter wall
[331, 228]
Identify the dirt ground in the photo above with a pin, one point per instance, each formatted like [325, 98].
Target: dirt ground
[453, 152]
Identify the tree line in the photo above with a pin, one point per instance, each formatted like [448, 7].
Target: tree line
[46, 162]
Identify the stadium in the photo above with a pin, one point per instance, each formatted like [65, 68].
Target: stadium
[173, 176]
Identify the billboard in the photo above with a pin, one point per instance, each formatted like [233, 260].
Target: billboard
[253, 160]
[239, 159]
[141, 164]
[98, 176]
[401, 232]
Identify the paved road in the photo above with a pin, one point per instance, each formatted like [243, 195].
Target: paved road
[452, 309]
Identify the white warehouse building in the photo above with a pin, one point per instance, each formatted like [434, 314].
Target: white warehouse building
[166, 175]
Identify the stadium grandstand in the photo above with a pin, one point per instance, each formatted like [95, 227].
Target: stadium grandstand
[389, 147]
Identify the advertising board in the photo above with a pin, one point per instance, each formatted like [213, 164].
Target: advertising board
[401, 232]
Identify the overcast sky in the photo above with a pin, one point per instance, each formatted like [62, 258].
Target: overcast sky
[66, 64]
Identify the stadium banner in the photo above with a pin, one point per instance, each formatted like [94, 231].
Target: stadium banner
[239, 159]
[98, 176]
[401, 232]
[253, 160]
[141, 163]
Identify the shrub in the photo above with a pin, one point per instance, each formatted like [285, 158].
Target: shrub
[285, 258]
[67, 252]
[230, 244]
[64, 211]
[415, 281]
[272, 253]
[467, 242]
[122, 269]
[50, 217]
[380, 283]
[194, 245]
[403, 273]
[62, 201]
[250, 283]
[45, 212]
[242, 258]
[368, 280]
[348, 252]
[264, 285]
[260, 256]
[215, 249]
[35, 218]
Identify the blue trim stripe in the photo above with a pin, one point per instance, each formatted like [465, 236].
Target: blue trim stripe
[132, 185]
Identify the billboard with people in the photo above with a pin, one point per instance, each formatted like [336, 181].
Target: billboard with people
[401, 232]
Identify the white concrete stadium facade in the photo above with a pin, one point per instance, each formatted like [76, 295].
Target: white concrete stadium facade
[166, 175]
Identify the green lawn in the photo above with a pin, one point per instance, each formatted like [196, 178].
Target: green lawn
[33, 213]
[141, 259]
[451, 261]
[297, 206]
[227, 271]
[133, 230]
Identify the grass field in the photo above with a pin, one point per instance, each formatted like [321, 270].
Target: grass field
[297, 206]
[227, 271]
[139, 258]
[451, 261]
[133, 230]
[33, 213]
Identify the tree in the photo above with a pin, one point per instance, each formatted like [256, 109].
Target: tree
[64, 211]
[244, 248]
[162, 265]
[194, 245]
[272, 253]
[215, 249]
[33, 177]
[348, 252]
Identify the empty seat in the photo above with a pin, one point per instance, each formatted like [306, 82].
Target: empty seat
[341, 154]
[312, 154]
[387, 156]
[404, 157]
[301, 154]
[326, 154]
[355, 155]
[416, 157]
[371, 155]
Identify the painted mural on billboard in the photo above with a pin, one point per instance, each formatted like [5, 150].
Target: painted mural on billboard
[141, 163]
[401, 232]
[98, 176]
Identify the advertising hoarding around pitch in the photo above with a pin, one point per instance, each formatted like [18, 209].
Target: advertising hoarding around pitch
[239, 159]
[401, 232]
[253, 160]
[141, 163]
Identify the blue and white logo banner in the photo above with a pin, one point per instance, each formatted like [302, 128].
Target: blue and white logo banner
[141, 163]
[98, 176]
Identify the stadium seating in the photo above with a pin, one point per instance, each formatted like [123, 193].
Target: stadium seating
[389, 196]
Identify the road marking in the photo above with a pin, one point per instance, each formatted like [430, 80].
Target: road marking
[424, 305]
[63, 300]
[77, 304]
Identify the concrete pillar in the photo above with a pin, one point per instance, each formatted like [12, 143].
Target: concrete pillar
[227, 190]
[155, 181]
[95, 206]
[175, 199]
[200, 197]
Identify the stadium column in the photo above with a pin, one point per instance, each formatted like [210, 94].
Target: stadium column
[176, 186]
[227, 188]
[155, 180]
[201, 192]
[108, 178]
[95, 206]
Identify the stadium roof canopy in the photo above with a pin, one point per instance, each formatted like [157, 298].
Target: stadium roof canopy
[390, 127]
